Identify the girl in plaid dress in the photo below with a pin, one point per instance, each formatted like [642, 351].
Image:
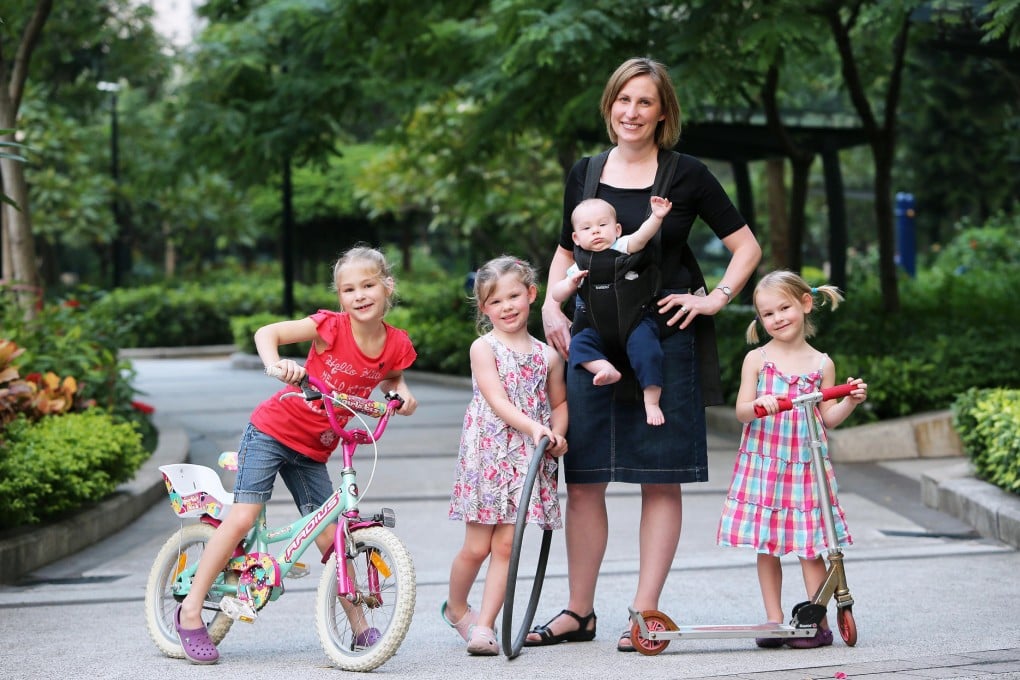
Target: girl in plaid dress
[771, 505]
[519, 396]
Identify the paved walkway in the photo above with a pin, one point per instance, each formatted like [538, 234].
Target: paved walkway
[934, 599]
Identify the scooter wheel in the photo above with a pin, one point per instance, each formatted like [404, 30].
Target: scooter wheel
[653, 621]
[847, 626]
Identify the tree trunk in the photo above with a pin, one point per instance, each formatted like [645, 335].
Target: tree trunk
[18, 229]
[801, 165]
[882, 136]
[886, 227]
[779, 223]
[20, 266]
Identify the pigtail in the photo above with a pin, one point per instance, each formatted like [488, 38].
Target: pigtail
[751, 334]
[831, 293]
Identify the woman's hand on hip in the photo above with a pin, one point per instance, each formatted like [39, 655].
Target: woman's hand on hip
[683, 308]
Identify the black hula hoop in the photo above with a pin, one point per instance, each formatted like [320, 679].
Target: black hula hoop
[512, 642]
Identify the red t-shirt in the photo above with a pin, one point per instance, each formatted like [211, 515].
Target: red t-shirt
[302, 425]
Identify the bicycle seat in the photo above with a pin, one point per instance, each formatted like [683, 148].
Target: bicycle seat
[196, 490]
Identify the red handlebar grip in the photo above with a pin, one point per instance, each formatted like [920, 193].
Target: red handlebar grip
[834, 392]
[838, 391]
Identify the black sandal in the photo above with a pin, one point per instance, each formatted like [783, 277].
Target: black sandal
[582, 634]
[625, 643]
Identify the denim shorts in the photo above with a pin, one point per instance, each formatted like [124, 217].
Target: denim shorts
[260, 457]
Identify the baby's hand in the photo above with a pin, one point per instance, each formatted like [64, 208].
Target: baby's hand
[860, 392]
[661, 206]
[578, 276]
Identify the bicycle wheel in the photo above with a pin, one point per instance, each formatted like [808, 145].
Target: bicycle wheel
[183, 549]
[379, 556]
[513, 641]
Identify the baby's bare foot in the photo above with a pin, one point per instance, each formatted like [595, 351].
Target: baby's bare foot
[653, 414]
[607, 376]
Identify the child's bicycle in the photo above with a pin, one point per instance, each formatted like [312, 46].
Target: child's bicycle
[364, 602]
[652, 631]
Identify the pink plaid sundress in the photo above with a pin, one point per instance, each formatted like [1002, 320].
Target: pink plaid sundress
[494, 458]
[772, 505]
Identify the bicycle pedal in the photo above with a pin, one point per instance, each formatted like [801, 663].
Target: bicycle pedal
[238, 610]
[299, 570]
[387, 517]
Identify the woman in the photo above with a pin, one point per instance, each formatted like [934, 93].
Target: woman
[642, 115]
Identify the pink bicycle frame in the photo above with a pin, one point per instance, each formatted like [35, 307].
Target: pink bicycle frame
[350, 518]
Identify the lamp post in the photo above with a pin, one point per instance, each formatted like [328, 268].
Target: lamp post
[120, 255]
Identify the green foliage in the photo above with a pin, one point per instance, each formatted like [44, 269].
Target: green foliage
[988, 247]
[199, 313]
[988, 422]
[67, 340]
[243, 329]
[954, 331]
[492, 203]
[60, 463]
[440, 320]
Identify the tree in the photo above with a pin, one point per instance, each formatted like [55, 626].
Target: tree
[270, 82]
[62, 53]
[19, 259]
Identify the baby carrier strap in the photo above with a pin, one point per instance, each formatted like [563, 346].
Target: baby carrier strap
[620, 286]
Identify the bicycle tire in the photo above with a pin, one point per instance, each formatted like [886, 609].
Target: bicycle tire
[160, 603]
[390, 616]
[513, 641]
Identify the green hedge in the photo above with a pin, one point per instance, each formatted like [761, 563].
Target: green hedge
[60, 463]
[191, 314]
[988, 422]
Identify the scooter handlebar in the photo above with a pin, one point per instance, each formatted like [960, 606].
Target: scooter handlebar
[834, 392]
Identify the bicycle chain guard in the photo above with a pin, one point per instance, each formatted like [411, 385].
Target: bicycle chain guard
[260, 573]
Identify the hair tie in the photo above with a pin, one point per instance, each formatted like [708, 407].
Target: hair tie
[814, 290]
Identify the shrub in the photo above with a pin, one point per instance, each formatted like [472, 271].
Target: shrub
[988, 422]
[191, 314]
[59, 463]
[243, 329]
[64, 340]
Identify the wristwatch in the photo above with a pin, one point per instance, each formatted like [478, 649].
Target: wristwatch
[727, 291]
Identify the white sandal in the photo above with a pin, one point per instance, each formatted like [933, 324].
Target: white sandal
[482, 641]
[464, 625]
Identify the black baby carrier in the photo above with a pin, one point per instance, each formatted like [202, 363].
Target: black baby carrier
[620, 287]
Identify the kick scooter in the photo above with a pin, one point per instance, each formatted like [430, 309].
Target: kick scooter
[651, 630]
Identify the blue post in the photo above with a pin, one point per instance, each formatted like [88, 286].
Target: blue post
[906, 248]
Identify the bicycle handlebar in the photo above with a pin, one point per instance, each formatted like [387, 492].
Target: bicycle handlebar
[313, 389]
[785, 404]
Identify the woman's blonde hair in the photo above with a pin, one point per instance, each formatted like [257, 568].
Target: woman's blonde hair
[667, 132]
[487, 276]
[793, 287]
[370, 259]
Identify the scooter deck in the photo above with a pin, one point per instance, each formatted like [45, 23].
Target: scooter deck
[760, 630]
[756, 630]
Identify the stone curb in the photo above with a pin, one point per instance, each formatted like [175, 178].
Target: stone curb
[993, 512]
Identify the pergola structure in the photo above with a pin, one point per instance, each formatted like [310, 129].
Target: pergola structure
[740, 143]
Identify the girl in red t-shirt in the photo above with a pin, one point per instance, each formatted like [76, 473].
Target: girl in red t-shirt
[353, 351]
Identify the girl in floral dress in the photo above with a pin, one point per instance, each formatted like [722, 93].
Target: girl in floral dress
[772, 505]
[519, 396]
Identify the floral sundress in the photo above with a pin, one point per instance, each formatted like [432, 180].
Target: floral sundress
[494, 458]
